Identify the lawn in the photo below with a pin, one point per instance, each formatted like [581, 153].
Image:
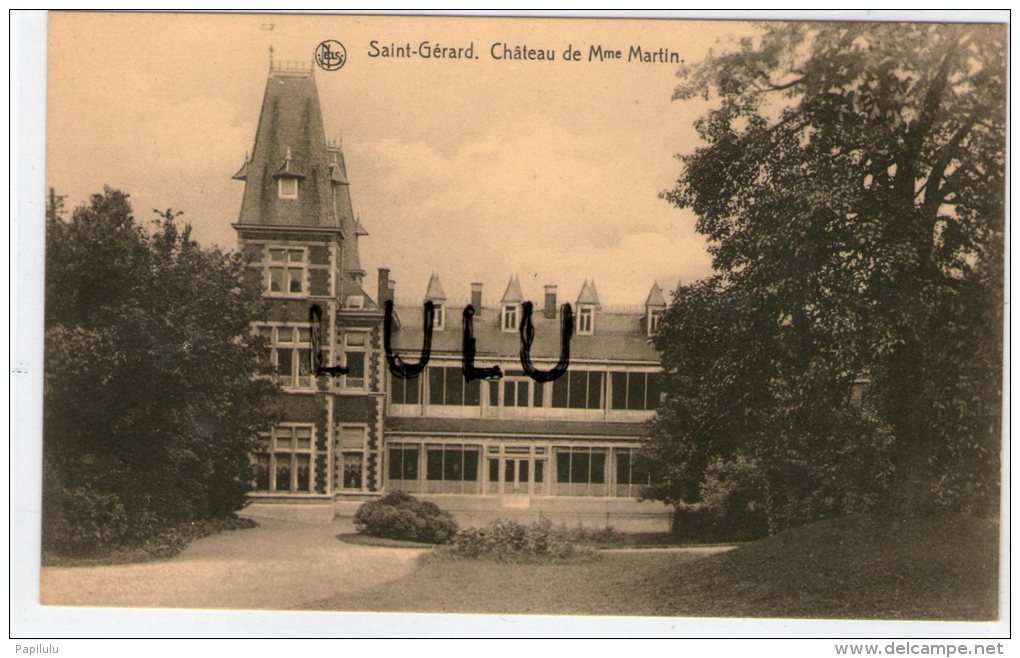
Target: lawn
[604, 587]
[864, 567]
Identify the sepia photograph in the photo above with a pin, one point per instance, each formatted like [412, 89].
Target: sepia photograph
[599, 317]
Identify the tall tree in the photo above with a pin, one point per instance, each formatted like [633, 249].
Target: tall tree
[152, 400]
[851, 187]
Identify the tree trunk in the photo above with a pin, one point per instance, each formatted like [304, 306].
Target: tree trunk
[911, 495]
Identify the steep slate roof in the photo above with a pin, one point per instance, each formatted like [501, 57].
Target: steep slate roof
[348, 286]
[655, 297]
[290, 142]
[513, 294]
[352, 227]
[435, 290]
[290, 123]
[618, 336]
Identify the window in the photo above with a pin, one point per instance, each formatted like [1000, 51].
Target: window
[405, 391]
[630, 478]
[355, 359]
[509, 317]
[290, 354]
[402, 471]
[286, 464]
[579, 389]
[285, 271]
[654, 319]
[561, 390]
[287, 187]
[518, 390]
[493, 480]
[586, 321]
[515, 393]
[452, 469]
[859, 393]
[352, 465]
[653, 391]
[538, 394]
[351, 442]
[439, 317]
[581, 471]
[636, 391]
[596, 387]
[447, 387]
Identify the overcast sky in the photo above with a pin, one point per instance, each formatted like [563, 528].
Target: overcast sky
[475, 169]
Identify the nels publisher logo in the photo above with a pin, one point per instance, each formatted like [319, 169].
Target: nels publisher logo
[330, 55]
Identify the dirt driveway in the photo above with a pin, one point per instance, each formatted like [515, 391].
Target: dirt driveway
[279, 565]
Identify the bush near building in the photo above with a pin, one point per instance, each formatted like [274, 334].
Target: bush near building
[401, 516]
[506, 540]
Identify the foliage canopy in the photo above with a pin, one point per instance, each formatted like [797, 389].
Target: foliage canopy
[851, 186]
[152, 401]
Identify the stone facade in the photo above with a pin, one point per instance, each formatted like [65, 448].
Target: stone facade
[508, 447]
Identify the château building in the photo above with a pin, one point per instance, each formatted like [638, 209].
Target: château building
[508, 447]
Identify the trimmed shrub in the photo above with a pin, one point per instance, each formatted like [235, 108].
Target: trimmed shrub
[509, 541]
[401, 516]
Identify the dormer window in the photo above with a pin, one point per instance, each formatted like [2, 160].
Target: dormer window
[587, 302]
[436, 295]
[288, 187]
[654, 319]
[655, 306]
[287, 177]
[509, 319]
[586, 320]
[511, 301]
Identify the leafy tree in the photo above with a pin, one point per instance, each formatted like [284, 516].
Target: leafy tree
[152, 400]
[741, 390]
[851, 186]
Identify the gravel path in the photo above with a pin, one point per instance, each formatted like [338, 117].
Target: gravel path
[279, 565]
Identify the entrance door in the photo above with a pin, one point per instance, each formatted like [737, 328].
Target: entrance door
[516, 475]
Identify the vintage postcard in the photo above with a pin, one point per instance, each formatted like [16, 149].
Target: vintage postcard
[696, 321]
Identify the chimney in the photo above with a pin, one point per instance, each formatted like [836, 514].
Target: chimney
[390, 288]
[384, 284]
[476, 298]
[550, 302]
